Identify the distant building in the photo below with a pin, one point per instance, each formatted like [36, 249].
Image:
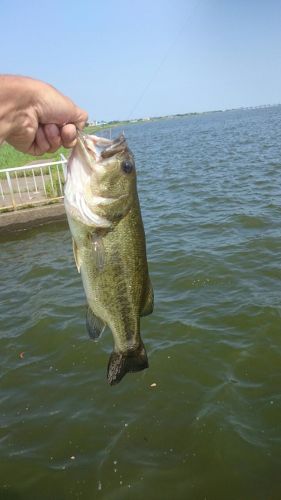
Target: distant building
[94, 123]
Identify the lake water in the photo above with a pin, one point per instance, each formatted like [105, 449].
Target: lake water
[210, 429]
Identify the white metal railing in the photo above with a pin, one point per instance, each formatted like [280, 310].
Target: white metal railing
[32, 184]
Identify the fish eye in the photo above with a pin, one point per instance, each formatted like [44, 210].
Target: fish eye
[127, 166]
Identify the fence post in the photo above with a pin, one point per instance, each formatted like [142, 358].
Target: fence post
[11, 190]
[64, 166]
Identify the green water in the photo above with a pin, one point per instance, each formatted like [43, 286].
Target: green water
[210, 428]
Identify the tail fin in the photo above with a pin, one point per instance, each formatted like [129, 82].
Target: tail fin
[121, 363]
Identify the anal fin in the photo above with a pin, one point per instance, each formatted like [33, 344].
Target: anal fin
[95, 325]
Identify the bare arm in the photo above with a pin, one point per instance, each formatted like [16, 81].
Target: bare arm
[35, 118]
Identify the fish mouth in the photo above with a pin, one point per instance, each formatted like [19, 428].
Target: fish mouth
[100, 148]
[91, 152]
[88, 156]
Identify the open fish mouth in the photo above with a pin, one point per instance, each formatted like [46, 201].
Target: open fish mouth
[101, 148]
[89, 157]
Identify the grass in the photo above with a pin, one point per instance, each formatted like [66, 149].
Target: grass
[10, 157]
[53, 190]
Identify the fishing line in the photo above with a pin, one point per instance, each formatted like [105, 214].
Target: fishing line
[162, 61]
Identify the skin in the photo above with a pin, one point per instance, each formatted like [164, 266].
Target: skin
[36, 118]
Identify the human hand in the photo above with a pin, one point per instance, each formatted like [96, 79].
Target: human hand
[38, 118]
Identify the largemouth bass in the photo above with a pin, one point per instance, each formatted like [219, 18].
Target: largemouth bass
[104, 217]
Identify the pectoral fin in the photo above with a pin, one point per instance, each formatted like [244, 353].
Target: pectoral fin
[95, 325]
[149, 301]
[98, 251]
[76, 255]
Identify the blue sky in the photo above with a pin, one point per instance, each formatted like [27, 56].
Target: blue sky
[123, 59]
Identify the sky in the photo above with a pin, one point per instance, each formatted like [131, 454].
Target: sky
[126, 59]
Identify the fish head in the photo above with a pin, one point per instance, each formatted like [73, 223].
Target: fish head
[101, 179]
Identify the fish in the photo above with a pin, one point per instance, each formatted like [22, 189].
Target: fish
[109, 246]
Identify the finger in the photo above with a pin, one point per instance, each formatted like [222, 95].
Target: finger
[81, 119]
[41, 143]
[52, 133]
[68, 135]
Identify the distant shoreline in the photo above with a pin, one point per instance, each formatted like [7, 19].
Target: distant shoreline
[116, 123]
[9, 157]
